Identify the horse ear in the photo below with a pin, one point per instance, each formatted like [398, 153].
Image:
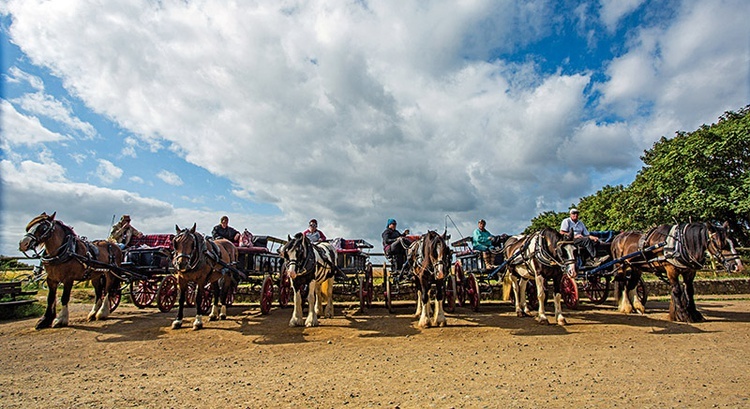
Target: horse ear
[192, 230]
[288, 237]
[177, 228]
[726, 225]
[53, 216]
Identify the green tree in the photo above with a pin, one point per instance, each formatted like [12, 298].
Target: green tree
[549, 219]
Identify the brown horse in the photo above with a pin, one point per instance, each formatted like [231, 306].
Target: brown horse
[681, 251]
[542, 256]
[66, 259]
[201, 260]
[431, 261]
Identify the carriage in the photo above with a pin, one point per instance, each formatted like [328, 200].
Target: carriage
[148, 274]
[355, 263]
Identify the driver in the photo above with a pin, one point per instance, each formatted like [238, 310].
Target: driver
[573, 227]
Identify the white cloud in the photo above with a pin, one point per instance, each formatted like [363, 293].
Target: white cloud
[46, 105]
[16, 75]
[169, 178]
[356, 112]
[19, 129]
[107, 171]
[612, 11]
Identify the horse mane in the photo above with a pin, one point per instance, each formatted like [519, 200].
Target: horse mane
[695, 238]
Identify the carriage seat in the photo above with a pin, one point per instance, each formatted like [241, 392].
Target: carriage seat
[152, 240]
[343, 246]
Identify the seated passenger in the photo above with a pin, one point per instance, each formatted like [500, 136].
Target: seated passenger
[574, 228]
[489, 245]
[313, 234]
[224, 231]
[395, 244]
[122, 232]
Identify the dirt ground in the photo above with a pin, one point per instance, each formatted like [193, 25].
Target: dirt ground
[375, 359]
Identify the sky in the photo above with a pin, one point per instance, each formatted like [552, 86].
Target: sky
[435, 113]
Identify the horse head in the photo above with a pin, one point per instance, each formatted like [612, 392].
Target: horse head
[186, 252]
[38, 231]
[439, 252]
[296, 255]
[721, 247]
[565, 250]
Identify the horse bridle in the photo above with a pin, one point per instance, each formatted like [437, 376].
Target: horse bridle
[194, 257]
[35, 241]
[305, 261]
[712, 241]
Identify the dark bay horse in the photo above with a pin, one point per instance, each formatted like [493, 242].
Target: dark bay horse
[430, 257]
[543, 255]
[201, 260]
[683, 253]
[312, 265]
[67, 258]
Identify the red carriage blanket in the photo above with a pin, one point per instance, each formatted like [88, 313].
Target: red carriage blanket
[152, 240]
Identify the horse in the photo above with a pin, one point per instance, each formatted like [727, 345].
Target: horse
[312, 265]
[201, 260]
[543, 255]
[431, 261]
[680, 251]
[68, 258]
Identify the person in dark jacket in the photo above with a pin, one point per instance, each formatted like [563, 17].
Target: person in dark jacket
[224, 231]
[395, 244]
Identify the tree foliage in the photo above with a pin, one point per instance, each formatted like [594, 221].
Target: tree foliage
[700, 175]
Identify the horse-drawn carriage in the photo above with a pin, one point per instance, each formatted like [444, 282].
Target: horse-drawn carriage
[354, 262]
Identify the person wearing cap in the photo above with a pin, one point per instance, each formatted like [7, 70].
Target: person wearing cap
[484, 242]
[573, 227]
[395, 243]
[313, 234]
[122, 232]
[224, 231]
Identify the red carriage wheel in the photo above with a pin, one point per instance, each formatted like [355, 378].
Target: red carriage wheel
[472, 292]
[143, 292]
[449, 300]
[207, 300]
[597, 289]
[266, 295]
[569, 291]
[190, 295]
[167, 293]
[115, 295]
[458, 272]
[285, 289]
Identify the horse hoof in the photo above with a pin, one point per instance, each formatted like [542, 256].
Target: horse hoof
[91, 317]
[212, 318]
[43, 323]
[521, 314]
[543, 321]
[59, 324]
[561, 322]
[176, 324]
[196, 327]
[222, 317]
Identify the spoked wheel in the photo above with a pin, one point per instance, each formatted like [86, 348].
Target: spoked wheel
[597, 289]
[285, 289]
[115, 296]
[362, 294]
[266, 295]
[472, 292]
[207, 300]
[167, 293]
[449, 301]
[458, 272]
[387, 285]
[368, 287]
[569, 291]
[143, 292]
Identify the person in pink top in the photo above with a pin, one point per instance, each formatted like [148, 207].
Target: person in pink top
[313, 234]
